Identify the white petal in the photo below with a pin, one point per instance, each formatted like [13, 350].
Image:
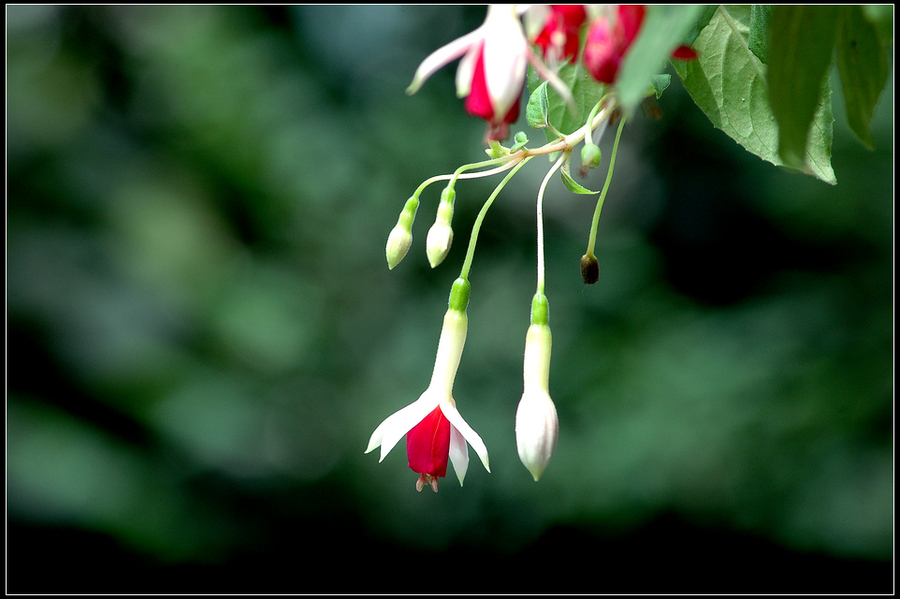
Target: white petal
[466, 70]
[441, 57]
[504, 73]
[459, 454]
[535, 17]
[467, 432]
[537, 430]
[401, 422]
[505, 58]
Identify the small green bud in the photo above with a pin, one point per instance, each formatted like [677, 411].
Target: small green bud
[495, 150]
[590, 156]
[400, 237]
[590, 269]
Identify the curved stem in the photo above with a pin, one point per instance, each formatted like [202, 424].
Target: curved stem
[506, 163]
[612, 162]
[564, 142]
[470, 252]
[540, 223]
[589, 124]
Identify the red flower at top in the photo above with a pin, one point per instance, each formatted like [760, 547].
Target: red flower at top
[558, 40]
[491, 74]
[607, 42]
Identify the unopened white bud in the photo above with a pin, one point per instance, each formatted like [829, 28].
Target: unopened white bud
[397, 245]
[440, 235]
[400, 237]
[537, 423]
[437, 244]
[537, 430]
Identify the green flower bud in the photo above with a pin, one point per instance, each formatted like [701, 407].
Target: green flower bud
[590, 156]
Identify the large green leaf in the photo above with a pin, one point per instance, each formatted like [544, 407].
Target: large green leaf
[864, 67]
[801, 45]
[728, 83]
[706, 13]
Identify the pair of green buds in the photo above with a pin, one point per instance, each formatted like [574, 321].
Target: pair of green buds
[440, 235]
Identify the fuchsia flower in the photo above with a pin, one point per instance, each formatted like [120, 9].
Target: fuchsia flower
[558, 40]
[491, 74]
[607, 42]
[435, 431]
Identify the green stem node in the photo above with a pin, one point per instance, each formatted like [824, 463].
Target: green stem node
[459, 295]
[540, 309]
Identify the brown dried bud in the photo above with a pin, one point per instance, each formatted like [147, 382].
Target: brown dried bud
[590, 269]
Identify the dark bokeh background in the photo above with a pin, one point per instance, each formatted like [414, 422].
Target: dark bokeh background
[203, 332]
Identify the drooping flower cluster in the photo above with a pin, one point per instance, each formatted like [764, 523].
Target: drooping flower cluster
[495, 57]
[491, 77]
[491, 74]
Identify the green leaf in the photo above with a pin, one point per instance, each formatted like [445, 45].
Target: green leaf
[664, 29]
[759, 31]
[864, 68]
[707, 12]
[801, 44]
[728, 83]
[537, 108]
[882, 16]
[660, 83]
[586, 92]
[571, 184]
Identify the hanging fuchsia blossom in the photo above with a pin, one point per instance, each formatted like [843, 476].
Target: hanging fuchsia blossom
[558, 40]
[435, 431]
[609, 39]
[491, 74]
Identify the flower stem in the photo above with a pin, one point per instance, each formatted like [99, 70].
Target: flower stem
[505, 163]
[589, 124]
[540, 222]
[515, 159]
[612, 162]
[470, 252]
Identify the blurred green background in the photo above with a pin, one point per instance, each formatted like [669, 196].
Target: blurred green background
[203, 332]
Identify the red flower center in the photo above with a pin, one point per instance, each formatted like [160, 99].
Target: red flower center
[561, 30]
[428, 444]
[478, 102]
